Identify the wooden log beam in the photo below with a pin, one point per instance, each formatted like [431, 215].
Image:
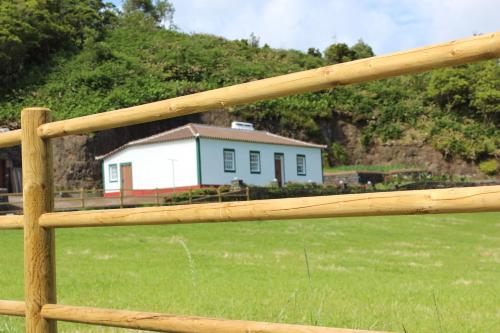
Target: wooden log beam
[413, 61]
[175, 324]
[11, 222]
[39, 243]
[455, 200]
[12, 308]
[10, 138]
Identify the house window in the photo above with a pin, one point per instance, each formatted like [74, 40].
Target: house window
[254, 161]
[113, 173]
[229, 160]
[301, 165]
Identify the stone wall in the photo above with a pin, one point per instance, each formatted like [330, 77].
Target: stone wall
[363, 177]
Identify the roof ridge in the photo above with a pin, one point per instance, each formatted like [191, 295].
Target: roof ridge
[191, 127]
[155, 135]
[292, 139]
[229, 128]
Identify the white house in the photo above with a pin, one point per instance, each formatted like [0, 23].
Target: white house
[195, 156]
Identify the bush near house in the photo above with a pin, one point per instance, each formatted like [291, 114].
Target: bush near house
[294, 190]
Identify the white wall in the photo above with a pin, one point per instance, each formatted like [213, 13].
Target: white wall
[151, 167]
[213, 167]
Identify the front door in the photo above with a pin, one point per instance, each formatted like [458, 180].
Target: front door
[126, 178]
[278, 168]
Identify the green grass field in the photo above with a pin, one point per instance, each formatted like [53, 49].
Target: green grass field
[433, 273]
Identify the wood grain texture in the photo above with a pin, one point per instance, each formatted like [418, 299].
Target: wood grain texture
[413, 61]
[9, 139]
[175, 324]
[11, 222]
[39, 254]
[455, 200]
[12, 308]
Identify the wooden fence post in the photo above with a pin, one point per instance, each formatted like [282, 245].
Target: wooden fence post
[218, 194]
[190, 196]
[39, 243]
[157, 197]
[248, 193]
[82, 197]
[121, 196]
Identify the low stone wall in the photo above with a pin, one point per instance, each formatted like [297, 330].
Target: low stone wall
[341, 177]
[374, 177]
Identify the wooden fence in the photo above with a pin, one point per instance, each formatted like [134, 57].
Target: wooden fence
[66, 200]
[39, 221]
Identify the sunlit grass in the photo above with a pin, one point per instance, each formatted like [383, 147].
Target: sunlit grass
[433, 273]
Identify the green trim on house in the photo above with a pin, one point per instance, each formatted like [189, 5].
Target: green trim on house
[305, 165]
[198, 159]
[234, 161]
[250, 161]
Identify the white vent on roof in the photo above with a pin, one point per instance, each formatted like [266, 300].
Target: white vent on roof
[242, 125]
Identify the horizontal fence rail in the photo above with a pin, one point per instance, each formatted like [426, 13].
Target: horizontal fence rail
[12, 308]
[413, 61]
[11, 222]
[10, 138]
[455, 200]
[176, 324]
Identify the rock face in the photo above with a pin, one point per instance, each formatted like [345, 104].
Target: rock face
[74, 163]
[412, 151]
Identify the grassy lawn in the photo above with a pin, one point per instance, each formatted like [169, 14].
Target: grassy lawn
[437, 273]
[379, 168]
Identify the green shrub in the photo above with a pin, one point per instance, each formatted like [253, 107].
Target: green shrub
[339, 154]
[367, 138]
[489, 167]
[293, 190]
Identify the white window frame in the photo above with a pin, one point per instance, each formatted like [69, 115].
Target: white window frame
[113, 178]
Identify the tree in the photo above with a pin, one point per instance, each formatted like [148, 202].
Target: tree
[32, 30]
[312, 51]
[362, 50]
[341, 52]
[160, 12]
[337, 53]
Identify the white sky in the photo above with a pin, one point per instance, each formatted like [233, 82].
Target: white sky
[387, 25]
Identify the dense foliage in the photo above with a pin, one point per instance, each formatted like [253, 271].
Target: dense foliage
[31, 30]
[130, 58]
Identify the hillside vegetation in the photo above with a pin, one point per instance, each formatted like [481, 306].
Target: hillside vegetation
[105, 59]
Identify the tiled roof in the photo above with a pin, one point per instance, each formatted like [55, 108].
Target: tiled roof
[213, 132]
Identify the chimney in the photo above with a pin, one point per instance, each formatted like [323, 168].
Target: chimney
[242, 126]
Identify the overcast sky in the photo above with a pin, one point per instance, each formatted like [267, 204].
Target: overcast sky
[387, 25]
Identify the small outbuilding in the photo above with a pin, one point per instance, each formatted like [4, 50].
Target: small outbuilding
[196, 156]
